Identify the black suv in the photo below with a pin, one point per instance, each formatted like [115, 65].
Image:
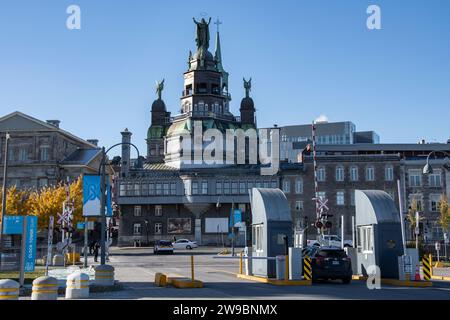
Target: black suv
[329, 263]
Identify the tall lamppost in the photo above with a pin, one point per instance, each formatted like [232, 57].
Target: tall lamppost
[5, 175]
[102, 171]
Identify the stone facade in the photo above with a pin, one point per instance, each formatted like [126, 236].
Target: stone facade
[41, 153]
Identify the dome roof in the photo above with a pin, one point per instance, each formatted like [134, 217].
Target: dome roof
[159, 105]
[208, 57]
[247, 104]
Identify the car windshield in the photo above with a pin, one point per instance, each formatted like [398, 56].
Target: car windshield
[165, 243]
[331, 254]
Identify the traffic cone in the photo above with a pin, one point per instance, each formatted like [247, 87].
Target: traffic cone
[417, 275]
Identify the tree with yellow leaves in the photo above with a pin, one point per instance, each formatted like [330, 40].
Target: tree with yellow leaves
[45, 202]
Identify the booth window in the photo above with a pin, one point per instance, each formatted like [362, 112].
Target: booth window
[258, 237]
[365, 239]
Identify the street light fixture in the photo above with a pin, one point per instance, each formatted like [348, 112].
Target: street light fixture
[5, 175]
[428, 169]
[102, 171]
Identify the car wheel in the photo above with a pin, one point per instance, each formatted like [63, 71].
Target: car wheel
[189, 247]
[346, 280]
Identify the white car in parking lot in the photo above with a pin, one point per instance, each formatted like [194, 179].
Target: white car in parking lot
[184, 244]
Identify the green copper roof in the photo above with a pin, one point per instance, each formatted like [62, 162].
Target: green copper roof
[155, 132]
[188, 125]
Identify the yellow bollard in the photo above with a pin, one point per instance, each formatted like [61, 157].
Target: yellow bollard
[241, 265]
[286, 268]
[430, 259]
[192, 268]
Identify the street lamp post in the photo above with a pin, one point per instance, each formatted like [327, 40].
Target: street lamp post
[146, 230]
[102, 171]
[5, 175]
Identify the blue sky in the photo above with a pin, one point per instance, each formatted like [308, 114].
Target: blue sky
[306, 58]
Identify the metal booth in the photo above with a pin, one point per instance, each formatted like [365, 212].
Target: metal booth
[271, 229]
[379, 236]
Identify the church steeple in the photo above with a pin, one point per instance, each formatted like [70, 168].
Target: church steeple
[218, 59]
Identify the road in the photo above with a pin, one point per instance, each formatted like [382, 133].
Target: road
[135, 269]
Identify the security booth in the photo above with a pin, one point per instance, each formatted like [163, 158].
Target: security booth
[271, 224]
[379, 235]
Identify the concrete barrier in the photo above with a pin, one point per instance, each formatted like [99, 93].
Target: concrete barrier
[160, 279]
[45, 288]
[9, 289]
[77, 286]
[58, 260]
[104, 275]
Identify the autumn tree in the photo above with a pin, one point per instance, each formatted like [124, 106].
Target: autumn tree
[17, 201]
[444, 213]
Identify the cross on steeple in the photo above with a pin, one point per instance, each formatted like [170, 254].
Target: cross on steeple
[218, 23]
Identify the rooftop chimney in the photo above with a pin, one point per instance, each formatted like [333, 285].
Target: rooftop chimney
[54, 123]
[93, 141]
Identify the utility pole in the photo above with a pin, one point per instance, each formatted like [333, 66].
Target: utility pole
[5, 175]
[102, 208]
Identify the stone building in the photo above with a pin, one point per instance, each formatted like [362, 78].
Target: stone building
[41, 153]
[171, 197]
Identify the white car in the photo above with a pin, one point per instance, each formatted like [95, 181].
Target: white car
[329, 241]
[184, 244]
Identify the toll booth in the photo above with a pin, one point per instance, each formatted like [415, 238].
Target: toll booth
[271, 224]
[379, 235]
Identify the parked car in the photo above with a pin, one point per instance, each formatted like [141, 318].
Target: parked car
[184, 244]
[330, 263]
[163, 246]
[329, 241]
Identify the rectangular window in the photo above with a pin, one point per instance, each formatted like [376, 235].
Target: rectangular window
[266, 184]
[416, 200]
[158, 228]
[144, 189]
[166, 188]
[226, 187]
[354, 173]
[123, 189]
[434, 179]
[137, 211]
[340, 198]
[299, 205]
[321, 195]
[45, 153]
[339, 173]
[299, 186]
[286, 186]
[137, 189]
[352, 197]
[151, 189]
[321, 174]
[23, 154]
[434, 202]
[173, 188]
[250, 185]
[274, 185]
[365, 239]
[158, 211]
[242, 188]
[159, 190]
[258, 237]
[204, 187]
[219, 187]
[415, 178]
[259, 184]
[137, 230]
[389, 173]
[194, 187]
[234, 188]
[370, 173]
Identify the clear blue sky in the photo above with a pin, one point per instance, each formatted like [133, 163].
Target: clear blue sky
[306, 58]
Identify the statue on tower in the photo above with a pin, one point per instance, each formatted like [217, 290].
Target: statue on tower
[247, 87]
[159, 88]
[202, 34]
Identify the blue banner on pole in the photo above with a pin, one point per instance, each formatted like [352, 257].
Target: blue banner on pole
[30, 243]
[13, 225]
[108, 199]
[91, 195]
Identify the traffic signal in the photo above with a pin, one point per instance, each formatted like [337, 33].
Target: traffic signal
[328, 224]
[318, 224]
